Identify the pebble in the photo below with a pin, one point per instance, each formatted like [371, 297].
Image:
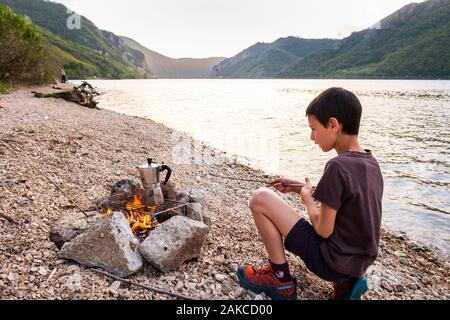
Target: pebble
[60, 261]
[115, 286]
[12, 276]
[238, 292]
[190, 285]
[398, 287]
[426, 281]
[404, 261]
[219, 259]
[412, 286]
[168, 278]
[179, 285]
[399, 253]
[233, 267]
[220, 277]
[43, 271]
[386, 285]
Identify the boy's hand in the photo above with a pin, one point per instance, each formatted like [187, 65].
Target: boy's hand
[307, 191]
[282, 185]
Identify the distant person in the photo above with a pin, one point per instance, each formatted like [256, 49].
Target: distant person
[63, 76]
[342, 240]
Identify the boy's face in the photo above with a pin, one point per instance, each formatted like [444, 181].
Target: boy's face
[325, 137]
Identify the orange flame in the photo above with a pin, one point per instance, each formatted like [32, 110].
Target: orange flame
[139, 217]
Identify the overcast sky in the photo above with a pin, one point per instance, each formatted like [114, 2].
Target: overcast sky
[205, 28]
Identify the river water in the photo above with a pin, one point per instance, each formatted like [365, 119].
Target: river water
[406, 124]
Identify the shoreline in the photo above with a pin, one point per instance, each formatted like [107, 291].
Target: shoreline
[89, 150]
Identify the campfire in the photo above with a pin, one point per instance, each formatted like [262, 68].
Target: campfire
[141, 218]
[139, 204]
[120, 238]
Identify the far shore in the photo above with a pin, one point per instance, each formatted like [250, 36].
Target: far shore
[86, 151]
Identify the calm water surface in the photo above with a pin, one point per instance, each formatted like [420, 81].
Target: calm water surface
[405, 124]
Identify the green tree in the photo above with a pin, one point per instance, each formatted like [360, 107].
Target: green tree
[23, 58]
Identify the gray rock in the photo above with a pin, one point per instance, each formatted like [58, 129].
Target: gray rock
[196, 196]
[177, 240]
[196, 211]
[183, 197]
[109, 245]
[68, 228]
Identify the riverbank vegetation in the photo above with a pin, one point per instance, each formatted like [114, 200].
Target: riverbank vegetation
[23, 58]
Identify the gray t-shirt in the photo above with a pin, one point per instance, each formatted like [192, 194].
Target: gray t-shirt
[353, 185]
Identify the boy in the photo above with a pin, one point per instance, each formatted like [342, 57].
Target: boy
[342, 240]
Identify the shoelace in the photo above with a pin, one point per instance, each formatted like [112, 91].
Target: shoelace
[260, 274]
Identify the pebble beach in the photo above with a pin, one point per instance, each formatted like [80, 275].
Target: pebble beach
[85, 151]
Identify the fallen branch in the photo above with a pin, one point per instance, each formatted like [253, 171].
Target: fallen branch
[143, 286]
[8, 218]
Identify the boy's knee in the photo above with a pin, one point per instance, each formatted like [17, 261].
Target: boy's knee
[259, 197]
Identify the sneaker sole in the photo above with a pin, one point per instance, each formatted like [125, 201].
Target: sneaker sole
[258, 290]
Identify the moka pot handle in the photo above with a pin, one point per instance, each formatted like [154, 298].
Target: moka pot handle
[169, 172]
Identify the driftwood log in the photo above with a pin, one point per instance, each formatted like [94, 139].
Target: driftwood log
[83, 95]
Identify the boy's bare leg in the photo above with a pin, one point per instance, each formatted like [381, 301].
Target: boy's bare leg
[274, 218]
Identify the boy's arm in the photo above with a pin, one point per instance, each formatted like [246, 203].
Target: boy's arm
[322, 217]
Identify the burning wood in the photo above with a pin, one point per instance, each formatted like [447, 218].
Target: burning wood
[141, 218]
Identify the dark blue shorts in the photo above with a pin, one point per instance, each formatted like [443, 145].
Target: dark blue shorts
[304, 242]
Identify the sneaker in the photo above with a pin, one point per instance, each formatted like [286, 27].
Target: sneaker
[264, 280]
[351, 289]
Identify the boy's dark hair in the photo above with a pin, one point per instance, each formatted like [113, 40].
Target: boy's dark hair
[340, 104]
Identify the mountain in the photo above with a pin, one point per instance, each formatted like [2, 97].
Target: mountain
[84, 52]
[90, 52]
[265, 60]
[413, 42]
[165, 67]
